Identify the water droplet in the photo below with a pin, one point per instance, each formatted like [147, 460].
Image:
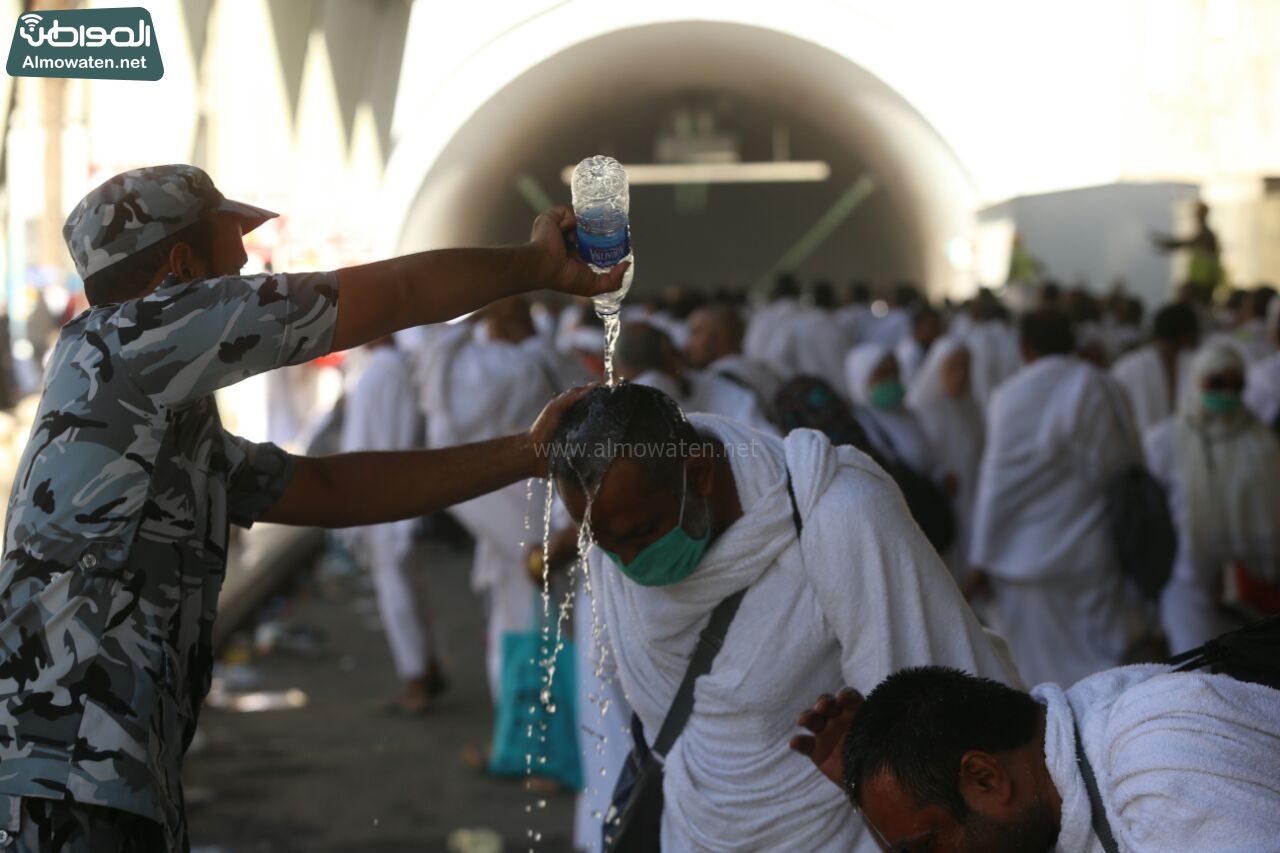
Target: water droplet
[542, 804]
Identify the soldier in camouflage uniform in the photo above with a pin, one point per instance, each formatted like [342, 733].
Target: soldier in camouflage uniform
[115, 546]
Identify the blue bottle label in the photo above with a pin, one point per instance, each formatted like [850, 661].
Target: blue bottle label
[604, 250]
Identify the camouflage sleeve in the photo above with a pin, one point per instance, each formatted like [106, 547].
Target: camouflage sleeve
[257, 477]
[188, 339]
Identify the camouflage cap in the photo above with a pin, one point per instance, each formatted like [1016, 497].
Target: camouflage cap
[141, 207]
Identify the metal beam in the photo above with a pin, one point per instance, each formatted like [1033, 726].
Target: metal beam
[528, 187]
[820, 231]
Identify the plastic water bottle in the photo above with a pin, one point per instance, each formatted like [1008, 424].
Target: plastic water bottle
[601, 202]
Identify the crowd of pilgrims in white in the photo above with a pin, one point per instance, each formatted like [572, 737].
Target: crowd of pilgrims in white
[1020, 434]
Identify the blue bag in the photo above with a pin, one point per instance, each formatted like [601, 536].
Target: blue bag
[524, 725]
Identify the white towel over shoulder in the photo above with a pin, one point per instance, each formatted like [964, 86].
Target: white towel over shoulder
[1184, 761]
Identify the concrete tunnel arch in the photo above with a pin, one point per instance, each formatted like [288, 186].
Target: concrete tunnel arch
[455, 182]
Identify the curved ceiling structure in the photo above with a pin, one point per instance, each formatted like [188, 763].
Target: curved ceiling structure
[617, 93]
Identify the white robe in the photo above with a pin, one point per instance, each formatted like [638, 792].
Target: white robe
[715, 395]
[994, 357]
[381, 413]
[1057, 433]
[891, 329]
[767, 339]
[709, 393]
[857, 321]
[796, 341]
[1142, 375]
[955, 433]
[1121, 339]
[818, 346]
[292, 397]
[1221, 474]
[1189, 610]
[894, 433]
[1262, 391]
[1184, 761]
[868, 597]
[760, 378]
[475, 390]
[910, 357]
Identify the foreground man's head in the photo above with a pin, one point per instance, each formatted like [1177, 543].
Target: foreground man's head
[630, 453]
[945, 762]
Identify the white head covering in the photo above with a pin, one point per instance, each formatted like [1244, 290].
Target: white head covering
[955, 432]
[895, 433]
[1212, 358]
[861, 362]
[1231, 474]
[926, 387]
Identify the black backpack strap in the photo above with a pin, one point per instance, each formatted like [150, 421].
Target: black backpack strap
[710, 641]
[1101, 827]
[1251, 654]
[709, 644]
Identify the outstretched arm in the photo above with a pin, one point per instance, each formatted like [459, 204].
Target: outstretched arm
[1168, 243]
[377, 299]
[351, 489]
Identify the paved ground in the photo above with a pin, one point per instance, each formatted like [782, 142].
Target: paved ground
[340, 774]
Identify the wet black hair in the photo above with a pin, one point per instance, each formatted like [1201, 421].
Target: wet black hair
[918, 724]
[613, 421]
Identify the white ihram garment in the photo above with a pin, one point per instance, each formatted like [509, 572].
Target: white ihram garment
[869, 597]
[955, 433]
[792, 340]
[768, 339]
[759, 378]
[1057, 434]
[477, 390]
[1262, 391]
[1142, 376]
[381, 413]
[1223, 479]
[994, 357]
[707, 393]
[1183, 761]
[894, 433]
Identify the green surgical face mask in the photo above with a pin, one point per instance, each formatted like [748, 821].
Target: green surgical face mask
[670, 559]
[888, 394]
[1220, 402]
